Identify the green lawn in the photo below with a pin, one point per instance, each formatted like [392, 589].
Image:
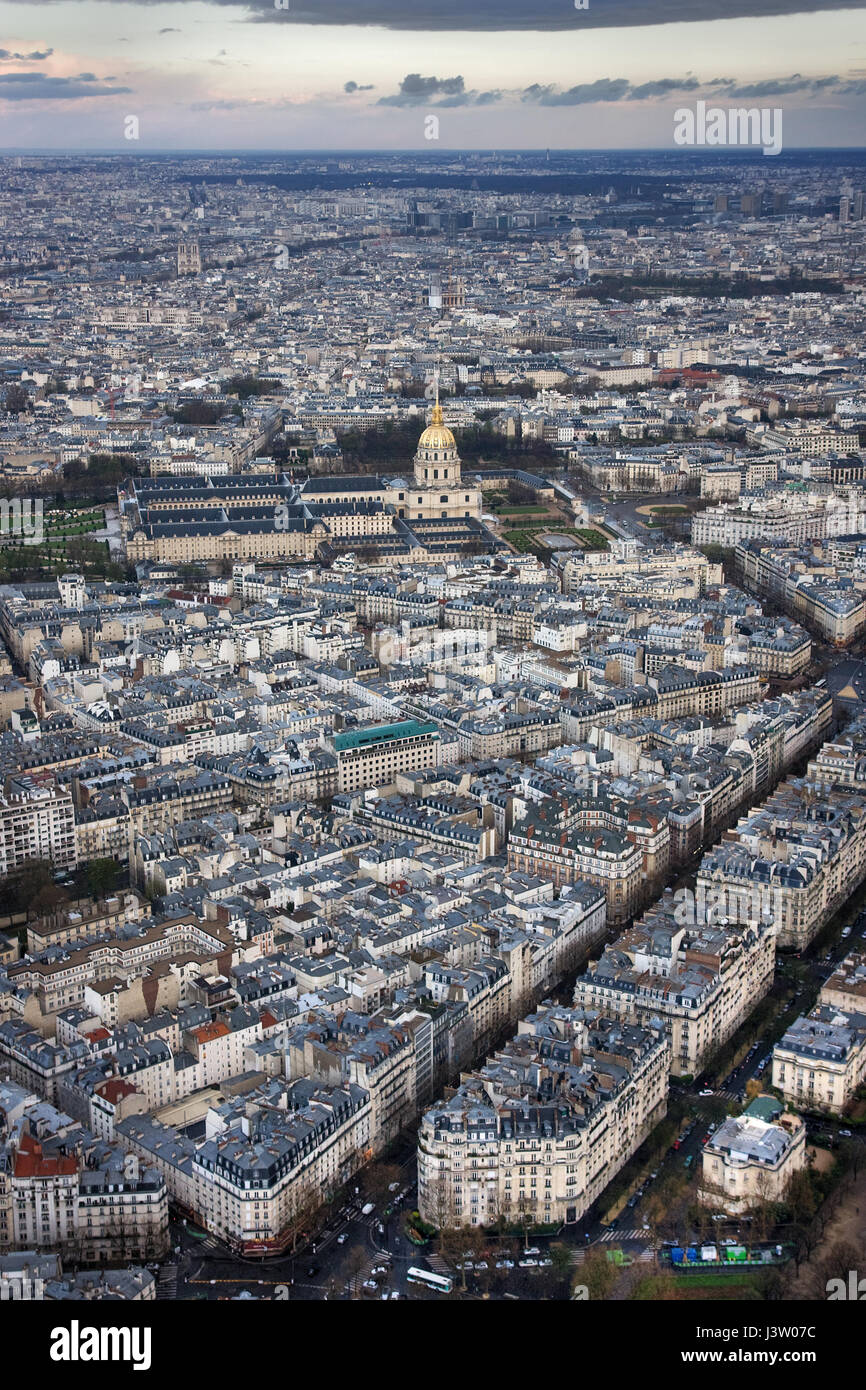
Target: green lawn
[527, 538]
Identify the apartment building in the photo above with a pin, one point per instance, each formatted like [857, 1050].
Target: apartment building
[268, 1159]
[161, 800]
[751, 1158]
[510, 735]
[63, 1197]
[450, 823]
[76, 922]
[701, 981]
[680, 563]
[727, 525]
[809, 584]
[604, 858]
[59, 978]
[376, 755]
[539, 1131]
[802, 856]
[680, 692]
[821, 1060]
[37, 822]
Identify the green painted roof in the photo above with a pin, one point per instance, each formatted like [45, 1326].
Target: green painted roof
[382, 733]
[765, 1108]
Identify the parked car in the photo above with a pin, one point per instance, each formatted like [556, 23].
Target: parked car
[534, 1250]
[706, 1091]
[845, 1134]
[528, 1264]
[342, 1237]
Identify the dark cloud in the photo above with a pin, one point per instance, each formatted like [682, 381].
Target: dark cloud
[488, 15]
[357, 87]
[605, 89]
[37, 57]
[781, 86]
[544, 15]
[416, 90]
[662, 87]
[35, 86]
[170, 31]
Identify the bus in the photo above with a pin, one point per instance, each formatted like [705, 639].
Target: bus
[439, 1282]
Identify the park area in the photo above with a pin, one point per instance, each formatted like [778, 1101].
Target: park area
[541, 540]
[68, 543]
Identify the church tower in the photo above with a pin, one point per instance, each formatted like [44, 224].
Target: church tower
[437, 460]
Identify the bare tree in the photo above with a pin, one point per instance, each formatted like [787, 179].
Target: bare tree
[598, 1273]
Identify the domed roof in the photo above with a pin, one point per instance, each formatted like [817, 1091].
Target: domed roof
[437, 434]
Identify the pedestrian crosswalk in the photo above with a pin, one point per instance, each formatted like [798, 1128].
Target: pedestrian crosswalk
[167, 1282]
[637, 1233]
[578, 1256]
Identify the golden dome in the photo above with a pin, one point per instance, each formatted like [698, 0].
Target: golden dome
[437, 434]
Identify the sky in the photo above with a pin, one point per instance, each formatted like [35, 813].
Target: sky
[369, 74]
